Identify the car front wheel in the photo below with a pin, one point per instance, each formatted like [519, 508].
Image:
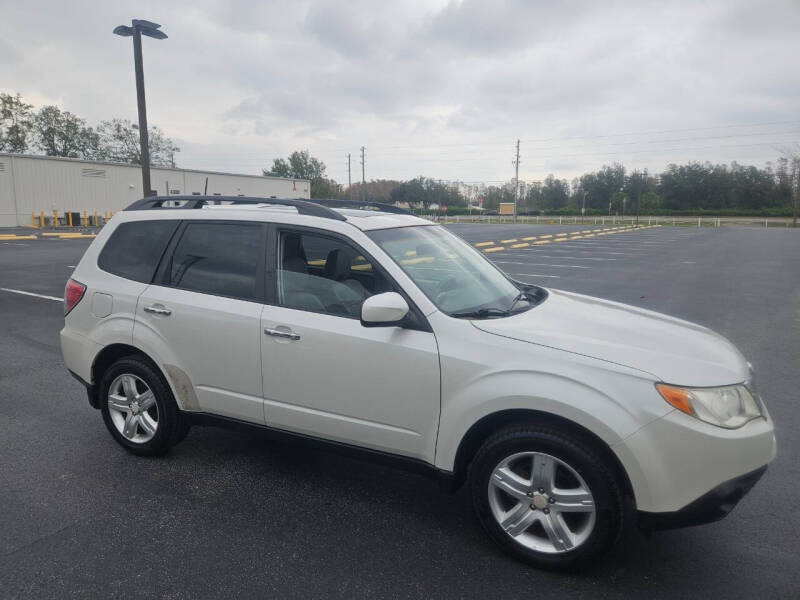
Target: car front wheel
[545, 496]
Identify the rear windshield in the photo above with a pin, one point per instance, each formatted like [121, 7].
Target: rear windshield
[134, 249]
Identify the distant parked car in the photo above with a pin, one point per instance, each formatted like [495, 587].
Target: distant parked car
[378, 331]
[490, 213]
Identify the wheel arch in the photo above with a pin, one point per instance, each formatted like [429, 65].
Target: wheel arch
[480, 431]
[107, 357]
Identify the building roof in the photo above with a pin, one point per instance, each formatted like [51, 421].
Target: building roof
[152, 167]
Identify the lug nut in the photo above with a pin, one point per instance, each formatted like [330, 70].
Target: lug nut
[530, 494]
[541, 490]
[552, 500]
[547, 511]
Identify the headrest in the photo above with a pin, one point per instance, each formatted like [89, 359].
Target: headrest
[337, 265]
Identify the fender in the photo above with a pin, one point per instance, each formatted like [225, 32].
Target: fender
[591, 408]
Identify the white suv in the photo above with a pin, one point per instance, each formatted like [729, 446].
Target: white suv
[375, 330]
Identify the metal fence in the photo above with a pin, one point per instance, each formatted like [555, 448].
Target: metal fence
[616, 220]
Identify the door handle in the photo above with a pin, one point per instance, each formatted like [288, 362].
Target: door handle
[289, 335]
[158, 310]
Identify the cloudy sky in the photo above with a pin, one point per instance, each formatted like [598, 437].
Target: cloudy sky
[441, 88]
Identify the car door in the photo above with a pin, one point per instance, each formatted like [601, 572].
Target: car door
[327, 375]
[201, 317]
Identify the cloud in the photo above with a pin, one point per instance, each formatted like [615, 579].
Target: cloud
[435, 87]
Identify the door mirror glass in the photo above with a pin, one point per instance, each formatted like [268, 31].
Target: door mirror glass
[383, 310]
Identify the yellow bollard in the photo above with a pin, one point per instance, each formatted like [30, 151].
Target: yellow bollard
[85, 219]
[55, 218]
[95, 218]
[69, 218]
[41, 219]
[33, 219]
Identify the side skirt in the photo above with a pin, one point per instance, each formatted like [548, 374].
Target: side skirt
[445, 479]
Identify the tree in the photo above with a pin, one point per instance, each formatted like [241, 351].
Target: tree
[119, 142]
[301, 165]
[16, 120]
[60, 133]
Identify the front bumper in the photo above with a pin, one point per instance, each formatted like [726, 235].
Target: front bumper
[677, 459]
[708, 508]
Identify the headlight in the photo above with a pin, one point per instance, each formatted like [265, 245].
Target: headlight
[731, 406]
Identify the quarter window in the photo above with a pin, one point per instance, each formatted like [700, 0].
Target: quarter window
[218, 258]
[134, 249]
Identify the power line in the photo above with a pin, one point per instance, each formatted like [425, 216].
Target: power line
[554, 139]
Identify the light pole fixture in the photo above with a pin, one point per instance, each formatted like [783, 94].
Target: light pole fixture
[137, 29]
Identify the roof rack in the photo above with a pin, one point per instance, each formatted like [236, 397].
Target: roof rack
[360, 205]
[304, 207]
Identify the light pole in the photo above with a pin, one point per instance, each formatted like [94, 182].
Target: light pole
[137, 29]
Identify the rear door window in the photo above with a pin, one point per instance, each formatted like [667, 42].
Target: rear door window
[134, 249]
[223, 259]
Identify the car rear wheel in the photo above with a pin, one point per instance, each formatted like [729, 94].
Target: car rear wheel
[546, 496]
[138, 408]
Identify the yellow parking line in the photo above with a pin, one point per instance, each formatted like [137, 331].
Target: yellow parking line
[560, 239]
[577, 237]
[509, 241]
[416, 261]
[481, 244]
[495, 249]
[528, 239]
[523, 245]
[540, 242]
[77, 237]
[11, 238]
[590, 235]
[545, 236]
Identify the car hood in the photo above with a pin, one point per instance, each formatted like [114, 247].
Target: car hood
[670, 349]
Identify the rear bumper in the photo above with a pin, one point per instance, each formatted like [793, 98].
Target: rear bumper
[708, 508]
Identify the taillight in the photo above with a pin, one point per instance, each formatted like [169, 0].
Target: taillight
[73, 293]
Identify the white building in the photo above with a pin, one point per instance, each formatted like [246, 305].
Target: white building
[36, 184]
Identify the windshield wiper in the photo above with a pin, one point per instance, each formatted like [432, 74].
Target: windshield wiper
[481, 313]
[523, 294]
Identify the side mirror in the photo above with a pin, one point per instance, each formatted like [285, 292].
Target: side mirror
[383, 310]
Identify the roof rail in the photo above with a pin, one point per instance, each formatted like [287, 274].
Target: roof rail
[358, 204]
[304, 207]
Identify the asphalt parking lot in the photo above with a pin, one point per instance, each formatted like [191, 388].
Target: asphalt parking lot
[230, 514]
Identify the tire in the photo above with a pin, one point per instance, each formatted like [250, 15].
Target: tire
[508, 482]
[146, 421]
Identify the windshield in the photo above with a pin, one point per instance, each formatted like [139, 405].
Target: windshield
[455, 276]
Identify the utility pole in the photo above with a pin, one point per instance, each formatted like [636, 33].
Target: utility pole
[349, 180]
[642, 183]
[796, 188]
[516, 183]
[583, 205]
[363, 177]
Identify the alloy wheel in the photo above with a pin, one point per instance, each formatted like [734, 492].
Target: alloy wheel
[132, 408]
[541, 502]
